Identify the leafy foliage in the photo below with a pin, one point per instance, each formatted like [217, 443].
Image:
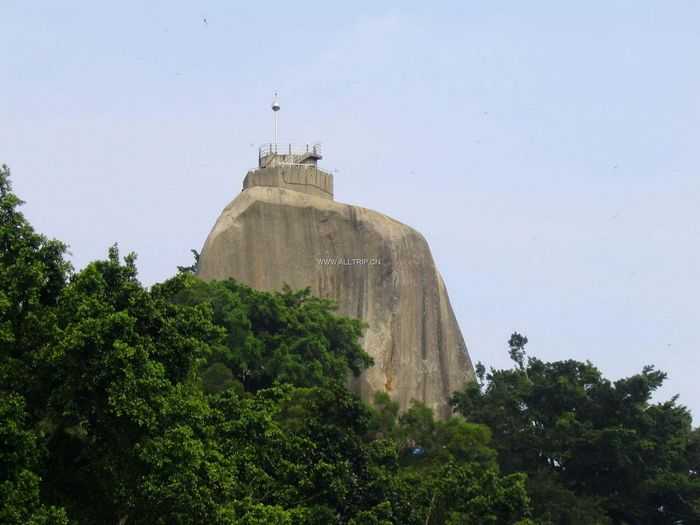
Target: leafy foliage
[192, 268]
[289, 337]
[195, 402]
[20, 502]
[595, 450]
[32, 274]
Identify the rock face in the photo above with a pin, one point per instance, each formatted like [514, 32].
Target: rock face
[374, 267]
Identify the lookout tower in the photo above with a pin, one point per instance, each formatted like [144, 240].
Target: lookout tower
[290, 166]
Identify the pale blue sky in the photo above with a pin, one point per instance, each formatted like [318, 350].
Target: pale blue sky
[548, 151]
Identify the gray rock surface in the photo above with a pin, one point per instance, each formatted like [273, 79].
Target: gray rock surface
[374, 267]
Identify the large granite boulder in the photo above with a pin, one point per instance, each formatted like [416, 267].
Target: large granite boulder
[374, 267]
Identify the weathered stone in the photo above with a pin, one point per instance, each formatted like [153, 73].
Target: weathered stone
[374, 267]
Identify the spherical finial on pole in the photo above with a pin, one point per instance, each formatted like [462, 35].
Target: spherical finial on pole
[275, 109]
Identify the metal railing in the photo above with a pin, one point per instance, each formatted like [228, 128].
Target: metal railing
[288, 149]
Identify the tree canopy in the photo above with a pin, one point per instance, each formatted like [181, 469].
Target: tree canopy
[209, 402]
[595, 451]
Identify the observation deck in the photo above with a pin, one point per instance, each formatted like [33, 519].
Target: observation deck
[289, 154]
[292, 167]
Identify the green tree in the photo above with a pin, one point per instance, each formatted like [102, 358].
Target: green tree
[452, 474]
[125, 392]
[287, 337]
[194, 267]
[582, 437]
[32, 275]
[20, 455]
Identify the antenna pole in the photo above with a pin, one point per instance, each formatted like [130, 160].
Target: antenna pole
[275, 109]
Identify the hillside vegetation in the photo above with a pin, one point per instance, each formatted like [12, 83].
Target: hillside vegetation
[213, 403]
